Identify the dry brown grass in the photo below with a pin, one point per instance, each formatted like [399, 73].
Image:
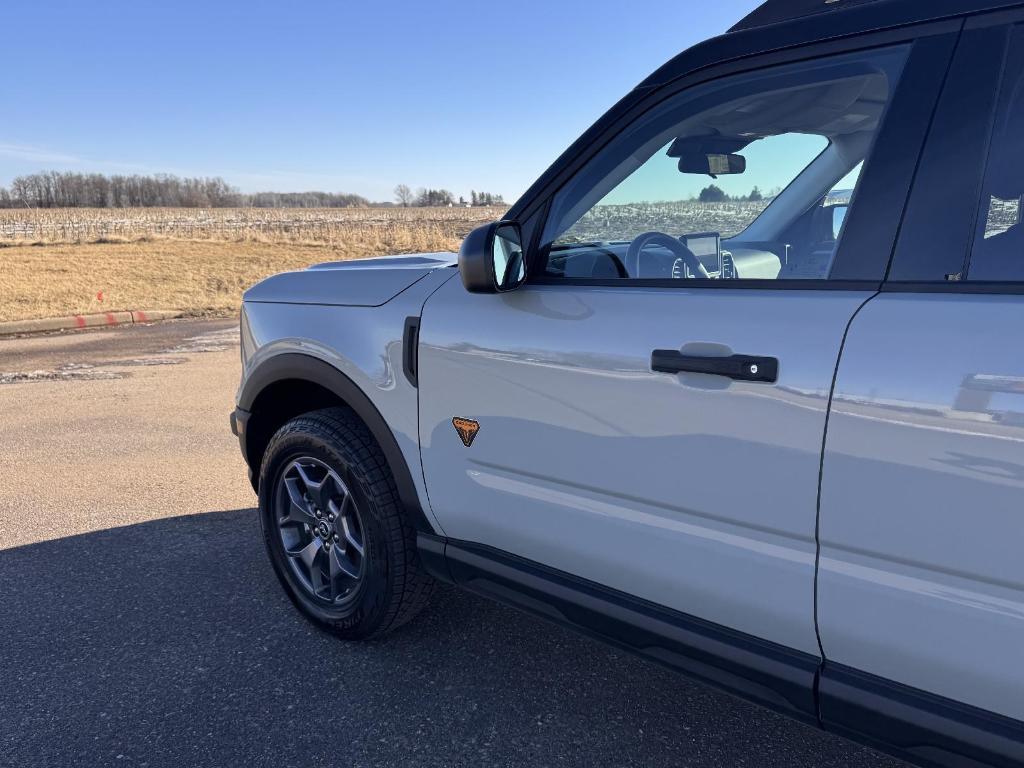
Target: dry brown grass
[55, 263]
[330, 226]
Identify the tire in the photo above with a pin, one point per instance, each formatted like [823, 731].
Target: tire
[380, 584]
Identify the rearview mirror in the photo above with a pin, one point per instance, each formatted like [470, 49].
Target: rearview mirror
[491, 258]
[711, 155]
[713, 165]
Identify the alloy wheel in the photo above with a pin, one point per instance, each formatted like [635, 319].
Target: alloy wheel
[320, 529]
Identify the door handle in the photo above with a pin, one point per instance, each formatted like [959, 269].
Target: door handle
[738, 367]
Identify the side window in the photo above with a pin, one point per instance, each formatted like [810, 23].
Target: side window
[747, 177]
[998, 252]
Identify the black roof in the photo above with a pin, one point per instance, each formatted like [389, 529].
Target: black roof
[779, 24]
[774, 11]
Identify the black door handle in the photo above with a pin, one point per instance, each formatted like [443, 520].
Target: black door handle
[739, 367]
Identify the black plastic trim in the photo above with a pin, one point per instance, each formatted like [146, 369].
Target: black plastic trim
[293, 366]
[943, 218]
[873, 225]
[410, 350]
[476, 267]
[696, 284]
[955, 286]
[757, 670]
[914, 725]
[930, 730]
[431, 551]
[239, 418]
[938, 225]
[239, 425]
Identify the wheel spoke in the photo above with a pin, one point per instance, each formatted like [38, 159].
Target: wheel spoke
[352, 537]
[332, 583]
[340, 563]
[334, 509]
[316, 579]
[319, 490]
[298, 509]
[308, 553]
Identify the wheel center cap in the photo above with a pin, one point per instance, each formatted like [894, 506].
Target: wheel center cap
[323, 530]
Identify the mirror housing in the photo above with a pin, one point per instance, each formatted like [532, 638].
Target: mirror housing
[491, 259]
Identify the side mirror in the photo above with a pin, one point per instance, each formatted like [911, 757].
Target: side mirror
[827, 224]
[491, 258]
[838, 218]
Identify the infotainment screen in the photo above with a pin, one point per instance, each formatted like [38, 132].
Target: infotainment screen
[706, 246]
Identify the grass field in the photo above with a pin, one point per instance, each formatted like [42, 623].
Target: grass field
[69, 261]
[618, 222]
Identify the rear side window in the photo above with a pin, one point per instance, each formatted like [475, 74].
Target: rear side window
[998, 251]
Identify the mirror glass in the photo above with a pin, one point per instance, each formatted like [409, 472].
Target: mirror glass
[507, 254]
[838, 217]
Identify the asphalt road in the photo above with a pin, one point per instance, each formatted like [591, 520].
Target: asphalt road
[140, 623]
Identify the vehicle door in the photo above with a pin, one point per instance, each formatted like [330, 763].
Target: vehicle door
[922, 503]
[650, 417]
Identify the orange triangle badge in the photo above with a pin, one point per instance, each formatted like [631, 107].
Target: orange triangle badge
[467, 429]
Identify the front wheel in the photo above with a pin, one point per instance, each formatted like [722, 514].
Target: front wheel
[334, 528]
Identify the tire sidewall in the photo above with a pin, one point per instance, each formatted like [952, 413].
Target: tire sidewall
[362, 613]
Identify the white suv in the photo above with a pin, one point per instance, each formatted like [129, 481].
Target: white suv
[738, 385]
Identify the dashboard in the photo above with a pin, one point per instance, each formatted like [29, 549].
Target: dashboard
[606, 260]
[728, 260]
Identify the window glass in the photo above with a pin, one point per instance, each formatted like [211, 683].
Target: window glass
[998, 252]
[748, 177]
[657, 195]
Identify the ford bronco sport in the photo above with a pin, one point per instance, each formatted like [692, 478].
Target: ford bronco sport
[738, 384]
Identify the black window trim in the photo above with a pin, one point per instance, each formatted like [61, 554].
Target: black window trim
[1007, 18]
[1014, 288]
[1013, 21]
[931, 48]
[739, 284]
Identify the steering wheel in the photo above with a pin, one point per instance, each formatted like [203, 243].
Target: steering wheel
[665, 241]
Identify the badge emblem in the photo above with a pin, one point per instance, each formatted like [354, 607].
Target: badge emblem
[467, 429]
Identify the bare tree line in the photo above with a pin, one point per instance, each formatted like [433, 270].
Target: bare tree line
[54, 189]
[424, 198]
[93, 190]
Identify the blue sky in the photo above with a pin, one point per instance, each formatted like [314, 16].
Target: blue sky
[337, 96]
[772, 163]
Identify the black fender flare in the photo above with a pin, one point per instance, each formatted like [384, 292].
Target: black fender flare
[295, 366]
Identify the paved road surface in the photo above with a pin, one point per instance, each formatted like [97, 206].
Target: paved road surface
[140, 623]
